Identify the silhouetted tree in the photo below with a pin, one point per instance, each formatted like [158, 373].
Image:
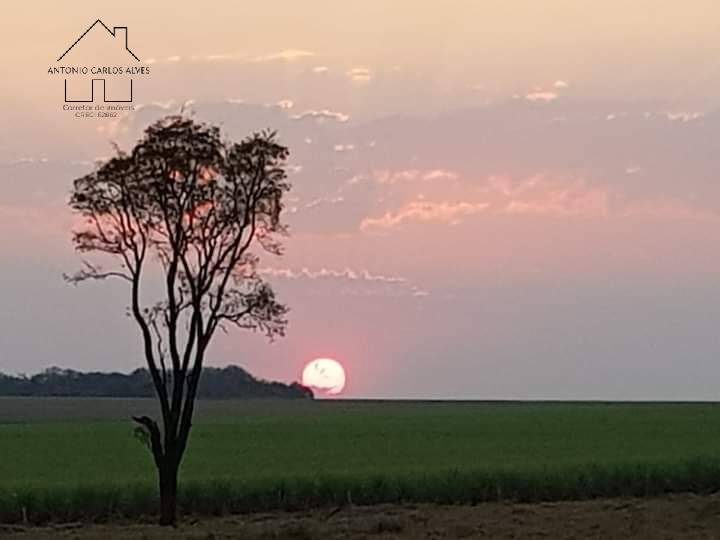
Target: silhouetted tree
[178, 216]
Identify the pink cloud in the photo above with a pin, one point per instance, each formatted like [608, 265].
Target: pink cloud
[538, 195]
[443, 212]
[385, 176]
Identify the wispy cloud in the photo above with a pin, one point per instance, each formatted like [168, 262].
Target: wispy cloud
[440, 174]
[541, 95]
[359, 74]
[369, 283]
[439, 212]
[684, 116]
[26, 160]
[385, 176]
[668, 209]
[547, 194]
[216, 57]
[287, 55]
[285, 104]
[346, 273]
[537, 195]
[343, 147]
[321, 115]
[325, 200]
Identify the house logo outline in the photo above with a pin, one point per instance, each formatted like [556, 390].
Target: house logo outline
[114, 34]
[111, 32]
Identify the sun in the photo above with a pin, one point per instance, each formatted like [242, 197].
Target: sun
[324, 375]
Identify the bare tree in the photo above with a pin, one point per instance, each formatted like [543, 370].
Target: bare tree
[177, 217]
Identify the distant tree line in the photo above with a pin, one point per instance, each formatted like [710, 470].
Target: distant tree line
[215, 383]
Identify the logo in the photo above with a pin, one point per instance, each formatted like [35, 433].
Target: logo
[99, 71]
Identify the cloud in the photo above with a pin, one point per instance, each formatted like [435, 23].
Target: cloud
[390, 177]
[547, 194]
[346, 273]
[439, 212]
[285, 104]
[287, 55]
[343, 147]
[684, 116]
[325, 200]
[541, 96]
[558, 196]
[165, 104]
[499, 195]
[385, 176]
[560, 84]
[26, 160]
[322, 115]
[320, 69]
[562, 203]
[367, 282]
[219, 57]
[440, 174]
[359, 74]
[452, 157]
[668, 209]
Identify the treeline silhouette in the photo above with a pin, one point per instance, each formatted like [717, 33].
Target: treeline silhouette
[215, 383]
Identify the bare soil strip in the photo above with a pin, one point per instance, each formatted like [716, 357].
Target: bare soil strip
[679, 516]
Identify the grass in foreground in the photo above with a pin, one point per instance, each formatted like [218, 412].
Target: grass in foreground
[253, 456]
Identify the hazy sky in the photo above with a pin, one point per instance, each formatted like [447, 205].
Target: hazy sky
[497, 199]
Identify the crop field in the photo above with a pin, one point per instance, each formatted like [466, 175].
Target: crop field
[77, 459]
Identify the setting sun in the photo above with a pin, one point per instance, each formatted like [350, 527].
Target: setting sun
[324, 375]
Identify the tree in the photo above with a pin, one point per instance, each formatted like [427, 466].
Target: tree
[177, 216]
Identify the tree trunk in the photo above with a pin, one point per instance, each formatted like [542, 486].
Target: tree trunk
[168, 473]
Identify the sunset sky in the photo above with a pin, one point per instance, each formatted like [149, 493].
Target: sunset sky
[498, 199]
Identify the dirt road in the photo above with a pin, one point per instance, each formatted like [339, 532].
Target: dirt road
[681, 516]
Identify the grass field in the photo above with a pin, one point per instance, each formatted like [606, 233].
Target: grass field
[68, 459]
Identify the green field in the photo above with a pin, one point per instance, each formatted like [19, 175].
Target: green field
[77, 458]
